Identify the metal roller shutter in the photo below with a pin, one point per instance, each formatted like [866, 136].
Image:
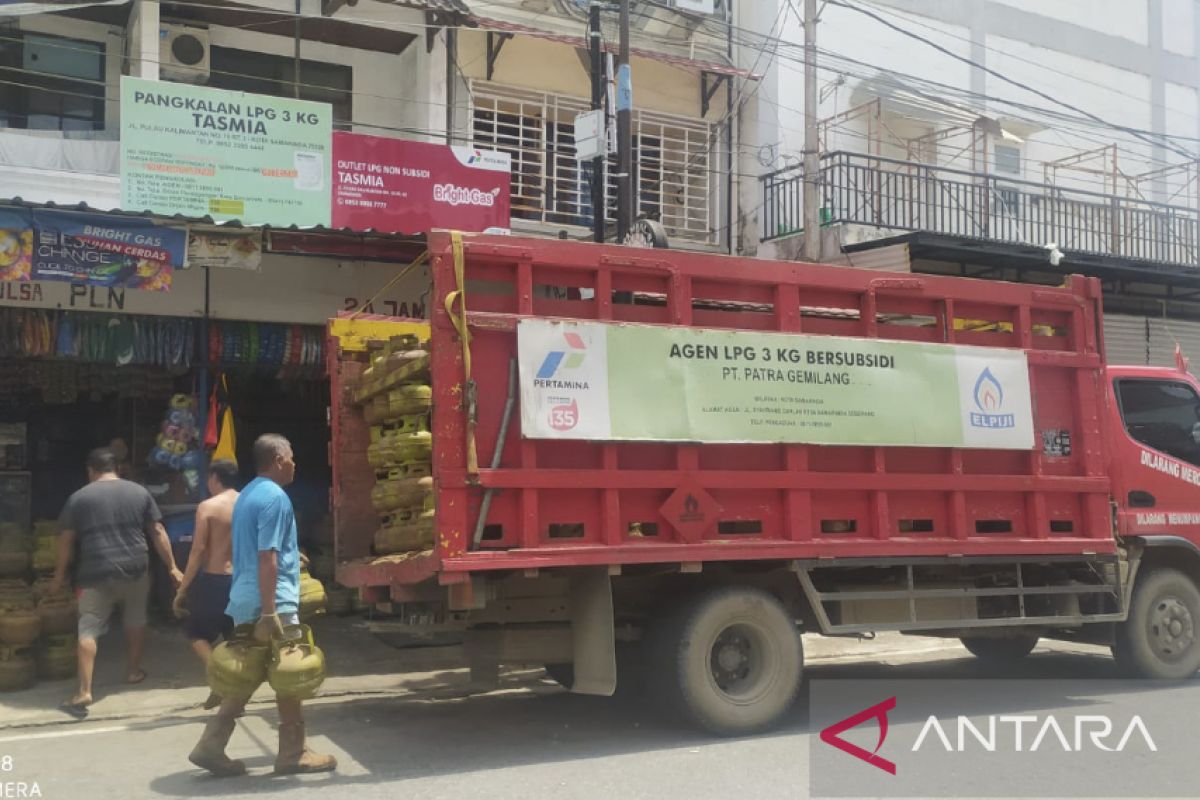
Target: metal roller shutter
[1125, 339]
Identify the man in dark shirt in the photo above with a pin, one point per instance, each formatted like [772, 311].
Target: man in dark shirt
[110, 520]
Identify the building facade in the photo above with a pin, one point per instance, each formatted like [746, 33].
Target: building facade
[1002, 139]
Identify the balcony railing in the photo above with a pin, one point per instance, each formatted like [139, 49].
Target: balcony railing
[897, 196]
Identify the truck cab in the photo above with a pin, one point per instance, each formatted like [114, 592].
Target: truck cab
[1155, 441]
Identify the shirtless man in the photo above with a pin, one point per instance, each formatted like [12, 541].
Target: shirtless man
[204, 592]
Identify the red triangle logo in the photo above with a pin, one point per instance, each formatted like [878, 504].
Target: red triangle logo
[879, 711]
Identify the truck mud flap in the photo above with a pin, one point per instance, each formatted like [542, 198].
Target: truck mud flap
[593, 632]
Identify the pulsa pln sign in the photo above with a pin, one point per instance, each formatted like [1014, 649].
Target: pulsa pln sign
[397, 186]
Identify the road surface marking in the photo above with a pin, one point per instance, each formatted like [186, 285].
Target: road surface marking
[63, 734]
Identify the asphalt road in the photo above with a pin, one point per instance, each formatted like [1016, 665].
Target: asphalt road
[535, 741]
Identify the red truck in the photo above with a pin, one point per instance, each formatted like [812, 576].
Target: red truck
[661, 467]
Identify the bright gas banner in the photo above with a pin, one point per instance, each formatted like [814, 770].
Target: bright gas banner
[614, 382]
[228, 155]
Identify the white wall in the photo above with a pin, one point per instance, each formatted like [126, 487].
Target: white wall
[1179, 30]
[1128, 19]
[851, 35]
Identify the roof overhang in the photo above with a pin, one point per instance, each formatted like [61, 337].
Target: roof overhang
[681, 61]
[986, 253]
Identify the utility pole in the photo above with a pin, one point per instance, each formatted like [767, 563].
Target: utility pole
[624, 131]
[599, 207]
[812, 159]
[296, 35]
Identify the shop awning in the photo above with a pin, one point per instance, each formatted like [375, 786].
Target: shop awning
[12, 8]
[367, 245]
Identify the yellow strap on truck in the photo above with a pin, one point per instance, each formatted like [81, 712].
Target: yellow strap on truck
[459, 295]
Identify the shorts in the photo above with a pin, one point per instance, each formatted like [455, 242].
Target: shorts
[289, 619]
[96, 604]
[207, 598]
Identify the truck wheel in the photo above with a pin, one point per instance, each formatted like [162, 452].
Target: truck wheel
[1161, 637]
[729, 659]
[1000, 650]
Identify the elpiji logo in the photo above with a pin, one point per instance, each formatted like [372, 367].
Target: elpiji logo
[989, 399]
[568, 359]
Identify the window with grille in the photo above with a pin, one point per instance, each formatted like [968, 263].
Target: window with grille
[674, 159]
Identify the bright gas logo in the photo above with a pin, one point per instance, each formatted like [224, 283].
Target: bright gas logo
[989, 402]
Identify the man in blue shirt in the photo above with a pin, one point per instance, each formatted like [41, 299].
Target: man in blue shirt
[265, 593]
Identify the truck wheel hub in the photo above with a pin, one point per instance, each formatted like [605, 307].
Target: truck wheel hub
[1171, 628]
[735, 661]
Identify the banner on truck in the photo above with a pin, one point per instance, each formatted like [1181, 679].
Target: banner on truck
[202, 152]
[604, 381]
[398, 186]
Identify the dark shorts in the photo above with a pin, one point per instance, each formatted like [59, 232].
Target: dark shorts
[207, 598]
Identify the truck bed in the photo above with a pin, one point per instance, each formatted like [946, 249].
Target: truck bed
[570, 503]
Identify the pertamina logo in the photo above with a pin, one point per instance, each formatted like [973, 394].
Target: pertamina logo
[564, 415]
[989, 399]
[570, 358]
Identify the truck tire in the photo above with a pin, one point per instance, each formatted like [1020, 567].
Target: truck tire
[1161, 637]
[997, 650]
[730, 660]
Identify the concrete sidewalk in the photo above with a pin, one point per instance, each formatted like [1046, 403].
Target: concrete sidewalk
[359, 664]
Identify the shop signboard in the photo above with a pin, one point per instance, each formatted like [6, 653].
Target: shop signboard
[399, 186]
[225, 250]
[284, 289]
[202, 152]
[604, 381]
[88, 249]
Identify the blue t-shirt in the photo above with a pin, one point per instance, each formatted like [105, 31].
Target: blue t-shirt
[262, 521]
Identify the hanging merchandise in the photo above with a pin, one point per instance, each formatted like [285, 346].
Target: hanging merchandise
[97, 338]
[290, 349]
[177, 445]
[226, 448]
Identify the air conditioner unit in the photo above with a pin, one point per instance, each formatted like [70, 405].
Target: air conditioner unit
[183, 53]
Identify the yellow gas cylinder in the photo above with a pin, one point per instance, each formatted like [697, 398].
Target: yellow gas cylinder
[59, 615]
[15, 593]
[19, 627]
[13, 563]
[238, 667]
[18, 670]
[297, 667]
[312, 596]
[56, 657]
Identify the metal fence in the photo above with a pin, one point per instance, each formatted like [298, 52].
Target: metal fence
[675, 161]
[909, 196]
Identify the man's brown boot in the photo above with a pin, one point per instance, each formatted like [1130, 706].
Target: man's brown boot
[294, 758]
[209, 752]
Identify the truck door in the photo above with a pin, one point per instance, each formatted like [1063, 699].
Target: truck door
[1157, 475]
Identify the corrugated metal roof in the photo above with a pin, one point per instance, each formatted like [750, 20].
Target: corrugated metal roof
[452, 6]
[182, 219]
